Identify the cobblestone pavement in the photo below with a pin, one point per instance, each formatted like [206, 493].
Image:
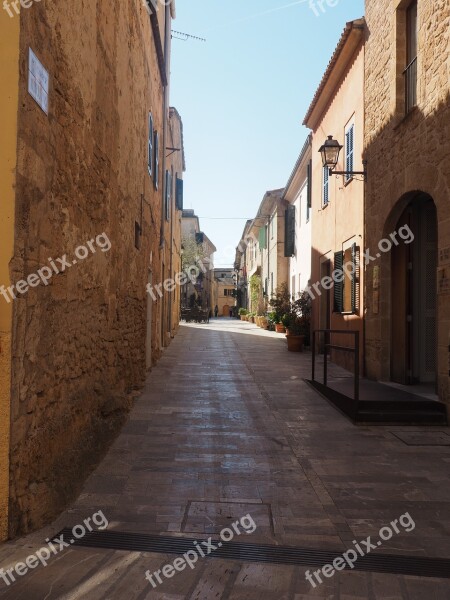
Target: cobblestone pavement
[226, 427]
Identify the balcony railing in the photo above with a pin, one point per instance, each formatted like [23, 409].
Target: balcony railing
[410, 74]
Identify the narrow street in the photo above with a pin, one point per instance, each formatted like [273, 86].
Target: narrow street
[227, 427]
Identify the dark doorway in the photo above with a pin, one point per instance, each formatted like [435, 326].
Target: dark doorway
[414, 295]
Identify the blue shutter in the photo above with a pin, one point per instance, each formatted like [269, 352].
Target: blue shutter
[326, 195]
[150, 144]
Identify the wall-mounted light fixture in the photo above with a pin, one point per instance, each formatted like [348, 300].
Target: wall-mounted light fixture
[330, 155]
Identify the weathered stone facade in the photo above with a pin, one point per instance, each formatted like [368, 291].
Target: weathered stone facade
[408, 160]
[78, 344]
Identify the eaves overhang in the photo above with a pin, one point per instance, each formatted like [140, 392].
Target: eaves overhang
[351, 38]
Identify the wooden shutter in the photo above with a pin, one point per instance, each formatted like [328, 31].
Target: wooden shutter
[179, 193]
[150, 144]
[355, 279]
[289, 239]
[338, 285]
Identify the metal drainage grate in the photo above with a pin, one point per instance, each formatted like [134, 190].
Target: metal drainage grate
[282, 555]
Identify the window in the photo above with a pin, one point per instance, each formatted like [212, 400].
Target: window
[309, 191]
[179, 193]
[349, 150]
[325, 190]
[150, 145]
[137, 235]
[168, 197]
[156, 161]
[346, 277]
[272, 227]
[289, 234]
[271, 283]
[411, 57]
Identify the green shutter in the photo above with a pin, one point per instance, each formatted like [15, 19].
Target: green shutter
[355, 279]
[262, 238]
[179, 193]
[338, 285]
[289, 238]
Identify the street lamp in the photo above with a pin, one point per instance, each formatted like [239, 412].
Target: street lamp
[330, 155]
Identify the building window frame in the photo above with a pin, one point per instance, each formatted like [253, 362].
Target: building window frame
[325, 187]
[349, 137]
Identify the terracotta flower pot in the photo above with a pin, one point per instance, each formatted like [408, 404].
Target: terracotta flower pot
[280, 328]
[295, 343]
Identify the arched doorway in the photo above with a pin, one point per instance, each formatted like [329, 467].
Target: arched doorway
[414, 295]
[226, 310]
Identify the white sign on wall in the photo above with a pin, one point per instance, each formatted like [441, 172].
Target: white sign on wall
[38, 80]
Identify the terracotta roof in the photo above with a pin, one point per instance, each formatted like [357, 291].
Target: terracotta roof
[357, 24]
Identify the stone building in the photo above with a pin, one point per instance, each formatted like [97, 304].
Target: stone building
[260, 259]
[84, 128]
[198, 259]
[224, 294]
[337, 238]
[407, 95]
[298, 193]
[240, 267]
[169, 304]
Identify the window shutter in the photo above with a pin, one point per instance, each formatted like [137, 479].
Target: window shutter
[289, 239]
[179, 193]
[262, 238]
[156, 150]
[150, 144]
[338, 285]
[326, 176]
[355, 279]
[349, 146]
[309, 193]
[168, 196]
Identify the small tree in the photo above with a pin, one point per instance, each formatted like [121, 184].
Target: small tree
[281, 302]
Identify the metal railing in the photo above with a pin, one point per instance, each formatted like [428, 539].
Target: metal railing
[328, 346]
[410, 74]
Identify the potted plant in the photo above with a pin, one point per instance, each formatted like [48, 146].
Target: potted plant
[281, 305]
[243, 312]
[299, 323]
[251, 317]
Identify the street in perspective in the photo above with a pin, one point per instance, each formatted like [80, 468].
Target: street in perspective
[225, 300]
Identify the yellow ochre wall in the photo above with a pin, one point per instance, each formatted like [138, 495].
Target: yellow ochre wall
[9, 68]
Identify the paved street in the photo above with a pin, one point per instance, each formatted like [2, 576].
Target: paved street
[227, 427]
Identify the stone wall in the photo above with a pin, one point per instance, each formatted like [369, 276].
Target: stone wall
[405, 155]
[79, 343]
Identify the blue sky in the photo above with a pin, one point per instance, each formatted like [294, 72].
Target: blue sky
[242, 96]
